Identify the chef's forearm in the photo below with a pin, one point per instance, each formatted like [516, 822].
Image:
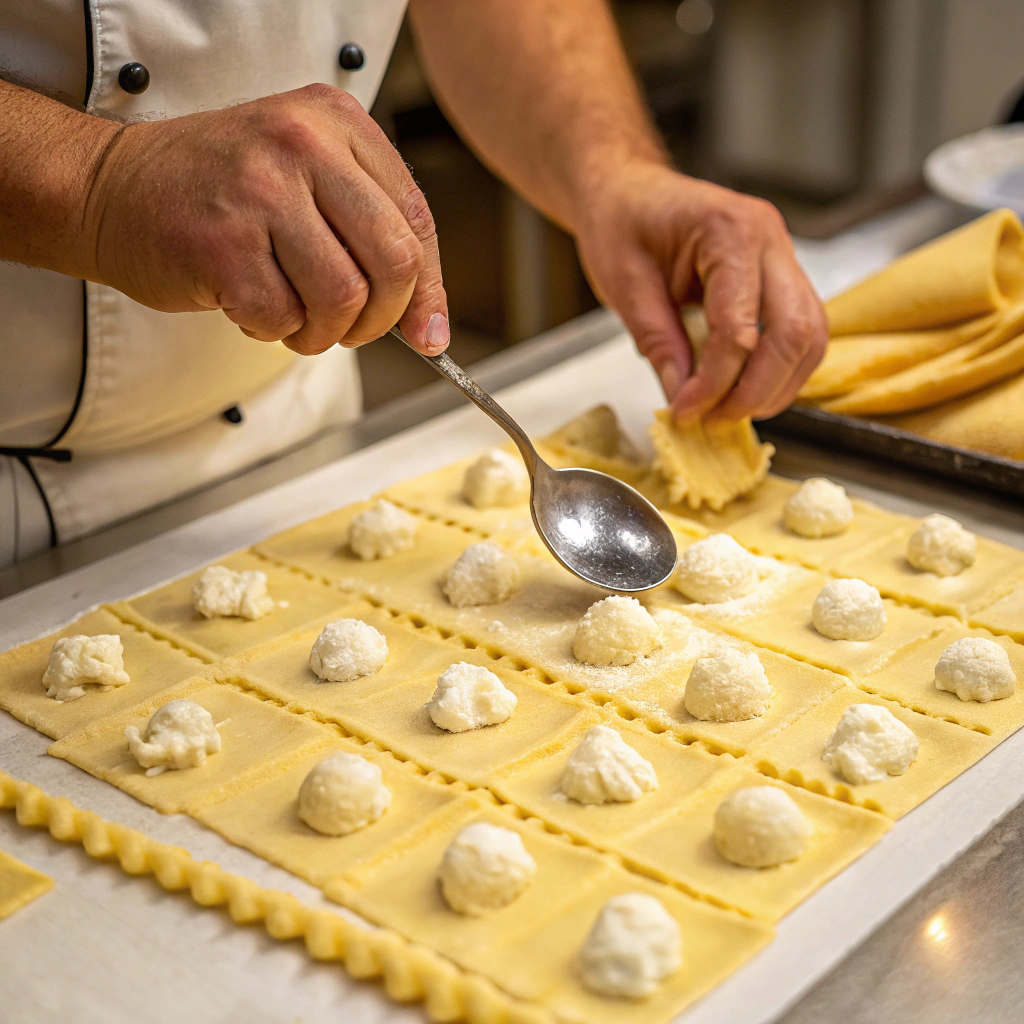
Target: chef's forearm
[49, 154]
[541, 89]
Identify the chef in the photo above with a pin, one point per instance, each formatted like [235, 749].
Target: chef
[200, 222]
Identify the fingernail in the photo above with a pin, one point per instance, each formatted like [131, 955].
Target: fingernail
[669, 375]
[437, 331]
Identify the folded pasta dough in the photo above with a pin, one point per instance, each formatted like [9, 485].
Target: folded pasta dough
[967, 273]
[857, 358]
[708, 465]
[995, 355]
[988, 421]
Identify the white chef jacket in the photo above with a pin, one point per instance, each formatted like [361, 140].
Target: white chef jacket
[136, 396]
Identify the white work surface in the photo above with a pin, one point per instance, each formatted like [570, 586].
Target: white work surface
[105, 947]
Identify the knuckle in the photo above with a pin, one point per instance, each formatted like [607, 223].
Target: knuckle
[417, 213]
[404, 256]
[352, 294]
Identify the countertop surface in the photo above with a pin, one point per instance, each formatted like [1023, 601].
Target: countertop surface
[951, 952]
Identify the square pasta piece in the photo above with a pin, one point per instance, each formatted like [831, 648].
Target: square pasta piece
[257, 740]
[945, 750]
[534, 783]
[910, 681]
[320, 547]
[168, 612]
[281, 670]
[400, 889]
[796, 687]
[265, 819]
[777, 581]
[438, 495]
[1005, 615]
[400, 722]
[541, 964]
[765, 533]
[885, 566]
[787, 628]
[19, 884]
[681, 848]
[152, 666]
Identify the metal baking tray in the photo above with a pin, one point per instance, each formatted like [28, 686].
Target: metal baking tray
[882, 442]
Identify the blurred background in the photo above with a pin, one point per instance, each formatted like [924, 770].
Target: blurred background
[825, 107]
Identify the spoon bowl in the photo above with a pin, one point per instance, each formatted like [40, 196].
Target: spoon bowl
[599, 528]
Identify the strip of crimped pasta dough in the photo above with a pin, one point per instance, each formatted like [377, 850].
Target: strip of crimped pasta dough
[410, 972]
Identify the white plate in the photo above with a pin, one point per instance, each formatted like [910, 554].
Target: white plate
[984, 170]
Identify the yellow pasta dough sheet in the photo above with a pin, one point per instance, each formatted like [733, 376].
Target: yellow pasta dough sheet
[168, 612]
[532, 942]
[796, 687]
[680, 848]
[996, 569]
[153, 667]
[1005, 615]
[257, 738]
[945, 750]
[787, 628]
[19, 884]
[765, 533]
[910, 680]
[277, 720]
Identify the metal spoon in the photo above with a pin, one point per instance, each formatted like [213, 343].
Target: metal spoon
[599, 528]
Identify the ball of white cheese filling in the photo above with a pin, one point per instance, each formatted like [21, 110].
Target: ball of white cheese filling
[80, 661]
[615, 631]
[715, 569]
[819, 508]
[347, 649]
[485, 868]
[496, 479]
[382, 531]
[604, 768]
[469, 697]
[848, 609]
[942, 546]
[220, 591]
[727, 686]
[633, 945]
[870, 743]
[482, 574]
[976, 669]
[179, 735]
[342, 793]
[759, 827]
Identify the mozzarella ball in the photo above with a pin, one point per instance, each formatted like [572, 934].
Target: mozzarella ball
[469, 697]
[976, 669]
[632, 946]
[342, 793]
[848, 609]
[179, 735]
[347, 649]
[382, 531]
[870, 743]
[485, 868]
[615, 631]
[220, 591]
[759, 827]
[716, 569]
[819, 508]
[496, 479]
[482, 574]
[604, 768]
[80, 661]
[942, 546]
[727, 686]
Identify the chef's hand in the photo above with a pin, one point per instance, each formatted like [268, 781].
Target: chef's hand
[652, 239]
[293, 214]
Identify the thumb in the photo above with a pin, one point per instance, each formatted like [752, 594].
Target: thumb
[425, 320]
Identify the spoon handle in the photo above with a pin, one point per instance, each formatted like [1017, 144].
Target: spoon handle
[454, 374]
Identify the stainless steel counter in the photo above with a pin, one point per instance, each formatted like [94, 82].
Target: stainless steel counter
[951, 953]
